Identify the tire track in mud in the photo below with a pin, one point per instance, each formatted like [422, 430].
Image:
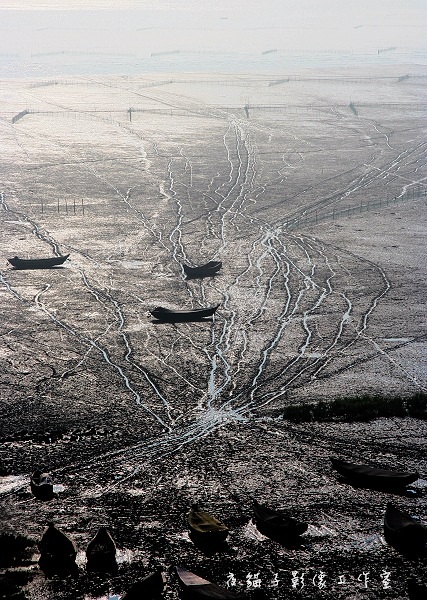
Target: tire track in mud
[125, 199]
[88, 341]
[177, 228]
[307, 370]
[238, 184]
[341, 324]
[41, 234]
[101, 297]
[179, 254]
[177, 235]
[359, 331]
[287, 316]
[120, 319]
[360, 182]
[308, 333]
[304, 295]
[363, 326]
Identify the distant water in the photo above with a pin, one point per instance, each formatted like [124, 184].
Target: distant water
[273, 36]
[63, 65]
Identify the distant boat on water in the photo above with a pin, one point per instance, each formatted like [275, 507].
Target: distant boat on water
[37, 263]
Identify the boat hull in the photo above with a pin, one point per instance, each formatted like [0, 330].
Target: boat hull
[404, 532]
[37, 263]
[194, 587]
[177, 316]
[275, 525]
[101, 552]
[41, 485]
[56, 547]
[370, 476]
[149, 588]
[207, 270]
[205, 528]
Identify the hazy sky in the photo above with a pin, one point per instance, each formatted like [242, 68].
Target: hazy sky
[145, 27]
[397, 14]
[391, 10]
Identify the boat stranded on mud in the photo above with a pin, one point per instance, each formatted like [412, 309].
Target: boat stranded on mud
[101, 552]
[194, 587]
[205, 528]
[37, 263]
[404, 532]
[207, 270]
[276, 524]
[42, 485]
[173, 316]
[149, 587]
[371, 476]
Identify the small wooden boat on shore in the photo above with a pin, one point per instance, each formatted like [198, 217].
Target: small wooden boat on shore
[41, 485]
[37, 263]
[403, 531]
[177, 316]
[149, 588]
[194, 587]
[371, 476]
[101, 551]
[207, 270]
[56, 547]
[206, 528]
[273, 523]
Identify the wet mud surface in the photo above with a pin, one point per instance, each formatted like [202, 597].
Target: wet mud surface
[317, 215]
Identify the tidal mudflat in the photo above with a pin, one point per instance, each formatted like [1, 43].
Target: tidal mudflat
[311, 191]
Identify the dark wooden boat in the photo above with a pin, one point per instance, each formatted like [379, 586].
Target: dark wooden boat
[37, 263]
[277, 524]
[205, 528]
[207, 270]
[149, 588]
[403, 531]
[42, 485]
[174, 316]
[56, 547]
[102, 549]
[367, 475]
[194, 587]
